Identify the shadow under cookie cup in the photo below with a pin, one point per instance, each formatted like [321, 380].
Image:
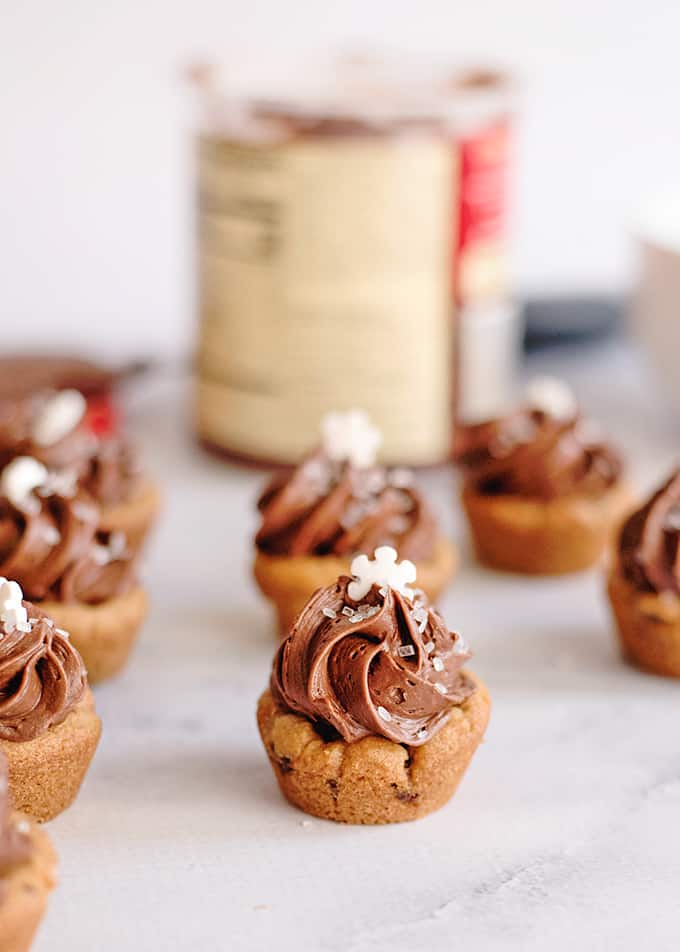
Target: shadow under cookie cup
[372, 780]
[46, 773]
[103, 634]
[543, 537]
[25, 891]
[134, 517]
[647, 624]
[289, 581]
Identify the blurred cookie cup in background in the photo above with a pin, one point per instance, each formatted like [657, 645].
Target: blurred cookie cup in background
[28, 873]
[51, 427]
[370, 717]
[49, 729]
[542, 491]
[336, 503]
[83, 577]
[644, 583]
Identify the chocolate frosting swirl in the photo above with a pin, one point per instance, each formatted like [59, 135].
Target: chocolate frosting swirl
[106, 466]
[531, 453]
[15, 846]
[388, 666]
[649, 543]
[52, 547]
[327, 508]
[42, 678]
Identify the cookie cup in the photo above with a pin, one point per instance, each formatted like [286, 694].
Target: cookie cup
[24, 892]
[543, 537]
[103, 634]
[45, 774]
[648, 626]
[135, 517]
[372, 780]
[288, 581]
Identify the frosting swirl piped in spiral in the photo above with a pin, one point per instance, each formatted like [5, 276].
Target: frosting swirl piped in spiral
[106, 467]
[534, 454]
[327, 507]
[386, 666]
[50, 543]
[649, 542]
[42, 677]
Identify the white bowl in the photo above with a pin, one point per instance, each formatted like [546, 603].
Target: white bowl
[655, 305]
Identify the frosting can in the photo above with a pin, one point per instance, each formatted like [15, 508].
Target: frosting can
[327, 228]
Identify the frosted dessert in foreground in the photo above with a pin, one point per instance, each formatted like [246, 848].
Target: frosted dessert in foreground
[28, 872]
[336, 503]
[644, 582]
[542, 492]
[370, 717]
[49, 729]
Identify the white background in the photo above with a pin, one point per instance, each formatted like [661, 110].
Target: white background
[95, 187]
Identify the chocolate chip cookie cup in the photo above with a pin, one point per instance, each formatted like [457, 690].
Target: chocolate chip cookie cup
[542, 494]
[49, 729]
[83, 577]
[336, 503]
[370, 717]
[28, 871]
[644, 583]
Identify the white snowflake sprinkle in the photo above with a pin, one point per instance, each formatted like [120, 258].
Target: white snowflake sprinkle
[429, 647]
[58, 417]
[20, 479]
[12, 611]
[441, 688]
[382, 569]
[350, 436]
[437, 664]
[384, 714]
[329, 613]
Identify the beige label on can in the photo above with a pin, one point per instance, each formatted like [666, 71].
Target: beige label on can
[324, 285]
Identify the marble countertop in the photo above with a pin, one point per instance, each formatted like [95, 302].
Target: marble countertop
[564, 834]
